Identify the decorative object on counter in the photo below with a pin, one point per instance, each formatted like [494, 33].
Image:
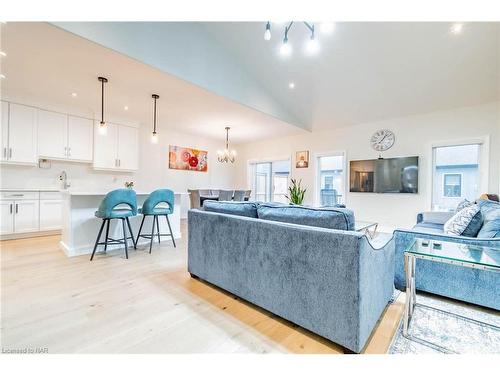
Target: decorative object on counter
[44, 164]
[154, 136]
[296, 192]
[226, 155]
[302, 159]
[188, 159]
[129, 185]
[102, 125]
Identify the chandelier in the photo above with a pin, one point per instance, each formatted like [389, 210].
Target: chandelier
[226, 155]
[312, 45]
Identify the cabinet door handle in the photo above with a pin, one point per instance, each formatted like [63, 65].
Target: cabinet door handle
[5, 152]
[119, 162]
[11, 208]
[10, 152]
[69, 151]
[65, 151]
[17, 208]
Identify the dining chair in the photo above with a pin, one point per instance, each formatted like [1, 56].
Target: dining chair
[226, 195]
[194, 198]
[239, 195]
[151, 207]
[248, 193]
[108, 210]
[204, 192]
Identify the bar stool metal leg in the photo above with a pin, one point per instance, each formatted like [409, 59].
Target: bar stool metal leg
[107, 234]
[152, 235]
[97, 240]
[157, 227]
[134, 241]
[125, 238]
[140, 229]
[170, 228]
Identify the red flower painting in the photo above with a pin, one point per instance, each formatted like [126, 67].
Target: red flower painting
[188, 159]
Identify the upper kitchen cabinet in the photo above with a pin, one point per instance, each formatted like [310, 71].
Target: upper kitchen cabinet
[117, 148]
[19, 134]
[66, 137]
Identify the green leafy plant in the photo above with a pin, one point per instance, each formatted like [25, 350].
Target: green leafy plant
[296, 192]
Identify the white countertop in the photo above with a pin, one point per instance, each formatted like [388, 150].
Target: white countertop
[33, 189]
[71, 192]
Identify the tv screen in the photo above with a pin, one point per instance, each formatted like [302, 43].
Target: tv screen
[394, 175]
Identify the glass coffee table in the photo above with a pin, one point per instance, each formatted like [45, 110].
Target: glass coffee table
[364, 226]
[479, 257]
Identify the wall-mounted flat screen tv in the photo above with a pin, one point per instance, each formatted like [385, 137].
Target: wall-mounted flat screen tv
[393, 175]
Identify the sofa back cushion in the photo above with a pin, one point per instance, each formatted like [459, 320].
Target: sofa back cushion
[248, 209]
[333, 218]
[491, 219]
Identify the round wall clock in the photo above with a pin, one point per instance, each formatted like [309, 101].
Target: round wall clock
[382, 140]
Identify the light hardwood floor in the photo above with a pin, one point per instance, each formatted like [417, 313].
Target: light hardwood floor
[147, 304]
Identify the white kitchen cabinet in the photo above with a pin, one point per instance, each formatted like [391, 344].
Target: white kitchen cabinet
[50, 214]
[26, 216]
[21, 146]
[5, 130]
[117, 149]
[128, 148]
[52, 135]
[7, 217]
[65, 137]
[80, 138]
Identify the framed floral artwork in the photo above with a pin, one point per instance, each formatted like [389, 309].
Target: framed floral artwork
[187, 159]
[302, 159]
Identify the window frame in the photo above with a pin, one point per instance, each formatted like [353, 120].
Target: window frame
[483, 159]
[251, 176]
[317, 174]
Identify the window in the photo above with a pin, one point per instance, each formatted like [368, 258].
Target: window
[455, 175]
[330, 187]
[270, 180]
[452, 185]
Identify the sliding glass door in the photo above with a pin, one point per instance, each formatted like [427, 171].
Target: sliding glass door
[330, 179]
[270, 180]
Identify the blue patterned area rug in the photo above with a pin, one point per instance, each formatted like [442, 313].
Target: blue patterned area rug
[443, 326]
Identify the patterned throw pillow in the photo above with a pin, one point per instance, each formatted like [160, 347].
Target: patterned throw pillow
[463, 204]
[466, 222]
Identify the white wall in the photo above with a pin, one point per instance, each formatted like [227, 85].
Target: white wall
[415, 135]
[153, 170]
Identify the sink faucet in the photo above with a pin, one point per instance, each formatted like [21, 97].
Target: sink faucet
[64, 178]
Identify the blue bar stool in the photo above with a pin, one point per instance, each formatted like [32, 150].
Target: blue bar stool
[149, 208]
[107, 211]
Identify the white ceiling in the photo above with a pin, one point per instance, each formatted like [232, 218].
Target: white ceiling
[370, 71]
[46, 63]
[363, 72]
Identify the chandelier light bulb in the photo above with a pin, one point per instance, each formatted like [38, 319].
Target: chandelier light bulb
[312, 46]
[327, 27]
[267, 33]
[154, 138]
[286, 48]
[103, 129]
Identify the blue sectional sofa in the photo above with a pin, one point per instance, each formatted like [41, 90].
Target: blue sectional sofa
[466, 284]
[305, 265]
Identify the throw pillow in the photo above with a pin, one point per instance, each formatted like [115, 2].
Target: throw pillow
[490, 211]
[466, 222]
[463, 204]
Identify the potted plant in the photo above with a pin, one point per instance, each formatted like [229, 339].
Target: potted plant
[296, 192]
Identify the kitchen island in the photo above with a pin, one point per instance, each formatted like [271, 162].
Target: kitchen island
[80, 226]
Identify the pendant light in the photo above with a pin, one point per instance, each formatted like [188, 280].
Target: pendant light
[102, 125]
[154, 136]
[226, 155]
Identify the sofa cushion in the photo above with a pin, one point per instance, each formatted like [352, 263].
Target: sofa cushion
[248, 209]
[466, 222]
[491, 219]
[430, 228]
[333, 218]
[463, 204]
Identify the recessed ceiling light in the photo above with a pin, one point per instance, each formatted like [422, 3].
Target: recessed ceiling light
[2, 76]
[74, 94]
[3, 54]
[457, 28]
[125, 108]
[327, 27]
[291, 85]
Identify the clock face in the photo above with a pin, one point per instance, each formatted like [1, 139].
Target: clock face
[382, 140]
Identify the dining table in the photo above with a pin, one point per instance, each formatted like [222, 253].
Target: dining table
[204, 198]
